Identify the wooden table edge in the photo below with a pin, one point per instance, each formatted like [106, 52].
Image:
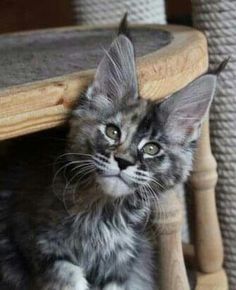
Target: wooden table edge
[160, 74]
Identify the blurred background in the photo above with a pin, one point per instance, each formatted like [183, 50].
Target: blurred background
[18, 15]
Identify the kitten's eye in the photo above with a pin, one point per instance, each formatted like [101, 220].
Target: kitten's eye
[151, 148]
[113, 132]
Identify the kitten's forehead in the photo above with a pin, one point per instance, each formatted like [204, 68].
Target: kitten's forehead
[131, 120]
[133, 113]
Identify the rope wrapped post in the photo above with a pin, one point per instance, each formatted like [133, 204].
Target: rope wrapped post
[218, 20]
[168, 223]
[111, 11]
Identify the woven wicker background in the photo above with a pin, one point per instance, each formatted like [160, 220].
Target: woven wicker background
[217, 19]
[111, 11]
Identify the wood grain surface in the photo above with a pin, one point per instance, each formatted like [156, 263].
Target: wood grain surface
[160, 73]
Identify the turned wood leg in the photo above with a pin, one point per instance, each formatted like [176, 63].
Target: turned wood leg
[208, 242]
[171, 263]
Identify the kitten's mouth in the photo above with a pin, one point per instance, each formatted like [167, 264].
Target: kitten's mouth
[118, 176]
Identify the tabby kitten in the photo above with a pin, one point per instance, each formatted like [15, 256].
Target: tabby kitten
[86, 230]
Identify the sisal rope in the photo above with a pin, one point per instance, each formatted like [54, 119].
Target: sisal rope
[111, 11]
[217, 19]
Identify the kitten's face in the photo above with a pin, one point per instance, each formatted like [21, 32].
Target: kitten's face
[126, 144]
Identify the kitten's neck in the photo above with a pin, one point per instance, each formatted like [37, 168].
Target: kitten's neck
[94, 202]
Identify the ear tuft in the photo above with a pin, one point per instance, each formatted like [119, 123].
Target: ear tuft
[123, 27]
[221, 67]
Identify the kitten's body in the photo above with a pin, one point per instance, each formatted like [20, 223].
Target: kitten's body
[84, 228]
[105, 239]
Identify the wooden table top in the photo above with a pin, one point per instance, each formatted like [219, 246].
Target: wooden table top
[42, 72]
[40, 55]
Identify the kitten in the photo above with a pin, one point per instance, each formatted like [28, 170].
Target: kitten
[86, 228]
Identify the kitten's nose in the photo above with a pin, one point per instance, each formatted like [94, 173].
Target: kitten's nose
[123, 163]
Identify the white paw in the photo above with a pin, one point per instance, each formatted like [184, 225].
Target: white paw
[73, 274]
[113, 286]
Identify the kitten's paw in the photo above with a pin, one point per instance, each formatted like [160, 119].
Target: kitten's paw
[64, 276]
[113, 286]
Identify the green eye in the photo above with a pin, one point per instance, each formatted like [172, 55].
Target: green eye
[113, 132]
[151, 148]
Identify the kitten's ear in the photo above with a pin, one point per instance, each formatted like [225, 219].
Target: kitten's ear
[185, 110]
[116, 77]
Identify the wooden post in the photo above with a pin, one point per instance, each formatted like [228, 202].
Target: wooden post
[168, 222]
[208, 242]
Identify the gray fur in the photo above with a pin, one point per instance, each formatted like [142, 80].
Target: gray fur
[86, 230]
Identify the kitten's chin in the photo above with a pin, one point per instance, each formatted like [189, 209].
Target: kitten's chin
[114, 186]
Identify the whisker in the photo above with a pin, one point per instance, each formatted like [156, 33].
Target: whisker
[73, 153]
[102, 156]
[65, 166]
[101, 164]
[136, 180]
[154, 180]
[142, 173]
[146, 202]
[85, 171]
[162, 215]
[82, 164]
